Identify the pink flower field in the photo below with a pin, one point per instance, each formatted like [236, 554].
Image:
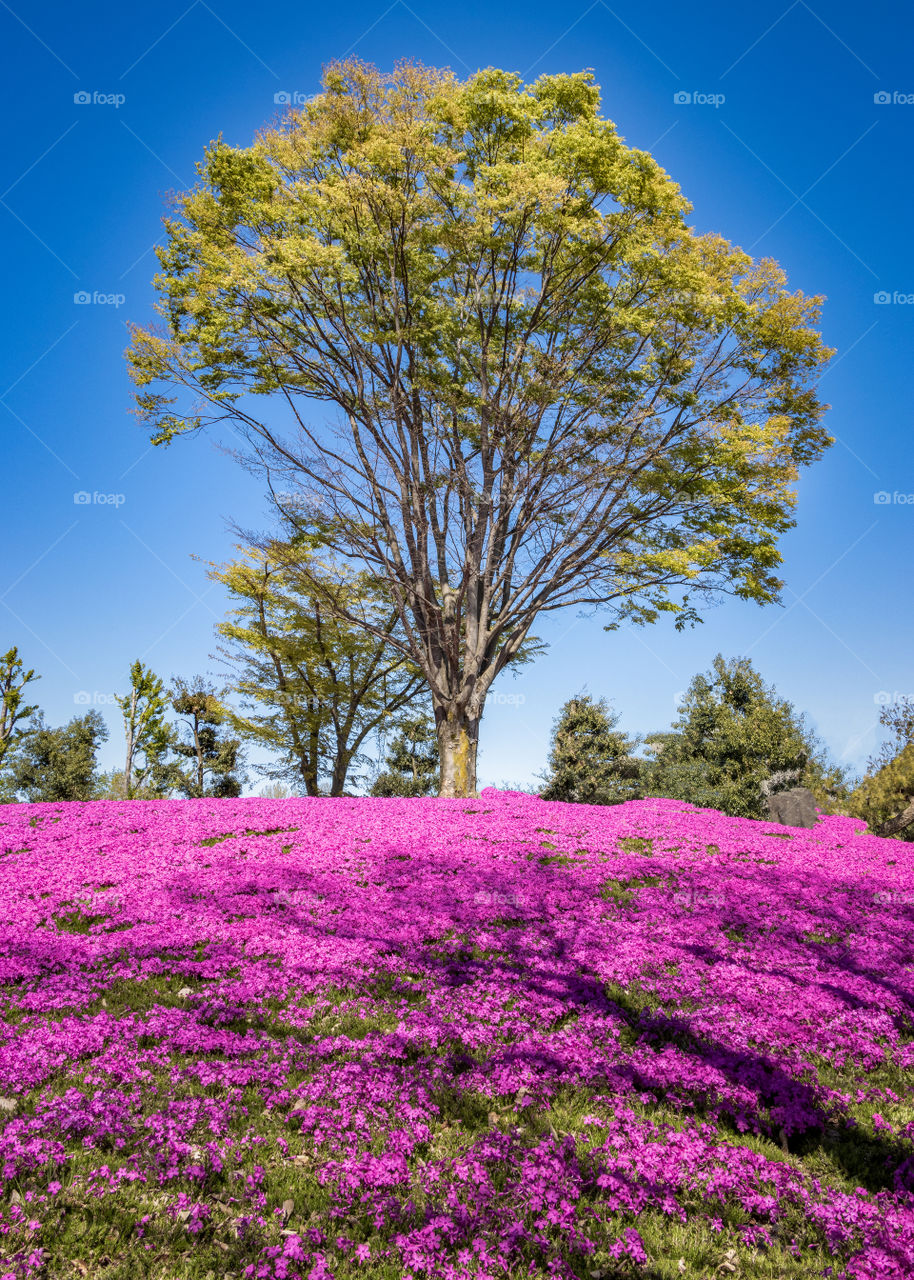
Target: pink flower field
[447, 1038]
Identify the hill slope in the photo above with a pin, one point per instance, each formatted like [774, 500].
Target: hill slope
[452, 1038]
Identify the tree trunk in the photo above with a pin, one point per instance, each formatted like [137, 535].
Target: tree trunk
[340, 769]
[128, 763]
[458, 740]
[898, 823]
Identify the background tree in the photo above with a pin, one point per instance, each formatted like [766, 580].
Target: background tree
[59, 764]
[14, 712]
[411, 766]
[548, 389]
[592, 761]
[732, 734]
[314, 687]
[885, 796]
[275, 791]
[213, 760]
[148, 735]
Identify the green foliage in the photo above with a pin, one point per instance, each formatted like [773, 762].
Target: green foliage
[412, 762]
[59, 764]
[213, 759]
[314, 685]
[14, 712]
[732, 734]
[148, 736]
[591, 760]
[547, 389]
[887, 788]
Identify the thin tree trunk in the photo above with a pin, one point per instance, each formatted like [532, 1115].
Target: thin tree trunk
[898, 823]
[458, 741]
[128, 763]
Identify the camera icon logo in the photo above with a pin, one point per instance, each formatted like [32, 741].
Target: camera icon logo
[882, 97]
[82, 97]
[82, 298]
[882, 297]
[282, 99]
[82, 498]
[682, 98]
[882, 498]
[82, 698]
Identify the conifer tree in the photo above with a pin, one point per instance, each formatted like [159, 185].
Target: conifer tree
[213, 759]
[591, 760]
[733, 733]
[412, 761]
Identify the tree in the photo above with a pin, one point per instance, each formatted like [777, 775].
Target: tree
[14, 713]
[59, 764]
[733, 733]
[148, 735]
[314, 686]
[412, 761]
[591, 760]
[548, 389]
[275, 791]
[885, 796]
[213, 759]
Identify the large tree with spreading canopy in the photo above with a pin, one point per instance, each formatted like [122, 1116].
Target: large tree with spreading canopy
[473, 333]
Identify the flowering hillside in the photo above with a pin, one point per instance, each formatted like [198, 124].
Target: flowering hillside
[385, 1038]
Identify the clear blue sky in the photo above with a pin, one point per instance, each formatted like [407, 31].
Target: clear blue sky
[803, 159]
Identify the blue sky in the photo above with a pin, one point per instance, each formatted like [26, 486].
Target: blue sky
[788, 126]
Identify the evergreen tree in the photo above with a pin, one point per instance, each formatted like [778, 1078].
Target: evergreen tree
[213, 759]
[733, 733]
[412, 761]
[59, 764]
[14, 712]
[148, 736]
[591, 761]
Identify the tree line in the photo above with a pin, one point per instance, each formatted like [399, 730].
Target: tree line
[734, 740]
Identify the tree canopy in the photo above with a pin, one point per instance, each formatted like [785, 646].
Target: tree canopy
[591, 761]
[732, 734]
[541, 387]
[315, 687]
[59, 764]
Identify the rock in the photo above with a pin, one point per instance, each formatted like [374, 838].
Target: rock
[793, 808]
[8, 1104]
[185, 992]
